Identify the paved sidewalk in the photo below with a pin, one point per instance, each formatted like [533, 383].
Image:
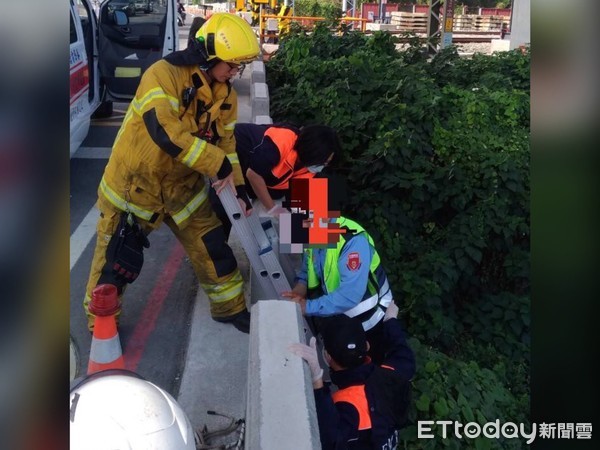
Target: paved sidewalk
[215, 373]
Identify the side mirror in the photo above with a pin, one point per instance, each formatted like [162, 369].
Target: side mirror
[120, 18]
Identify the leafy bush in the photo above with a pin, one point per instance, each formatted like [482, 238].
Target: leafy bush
[317, 8]
[449, 389]
[436, 155]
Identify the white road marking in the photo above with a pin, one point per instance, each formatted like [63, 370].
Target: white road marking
[83, 235]
[92, 153]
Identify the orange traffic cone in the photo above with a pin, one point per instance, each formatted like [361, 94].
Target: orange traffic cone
[106, 347]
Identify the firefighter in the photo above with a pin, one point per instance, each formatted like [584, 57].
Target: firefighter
[346, 279]
[177, 131]
[271, 155]
[371, 403]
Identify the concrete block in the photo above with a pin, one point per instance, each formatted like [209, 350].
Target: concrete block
[258, 72]
[270, 48]
[263, 120]
[281, 410]
[259, 97]
[247, 16]
[520, 28]
[381, 27]
[500, 45]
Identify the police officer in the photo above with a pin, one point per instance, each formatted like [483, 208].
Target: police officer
[346, 279]
[177, 131]
[371, 403]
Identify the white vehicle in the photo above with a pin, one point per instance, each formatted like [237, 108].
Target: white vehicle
[109, 52]
[145, 6]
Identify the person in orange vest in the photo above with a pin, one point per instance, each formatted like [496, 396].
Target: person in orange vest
[371, 403]
[271, 155]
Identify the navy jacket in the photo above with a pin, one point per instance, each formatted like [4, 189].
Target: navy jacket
[339, 422]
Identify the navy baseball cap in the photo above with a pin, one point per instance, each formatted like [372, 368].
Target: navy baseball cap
[345, 340]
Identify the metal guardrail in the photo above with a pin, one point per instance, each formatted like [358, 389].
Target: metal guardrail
[304, 20]
[463, 36]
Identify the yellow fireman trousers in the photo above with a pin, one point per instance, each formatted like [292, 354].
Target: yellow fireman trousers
[204, 241]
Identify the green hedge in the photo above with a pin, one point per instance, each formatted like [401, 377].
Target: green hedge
[436, 155]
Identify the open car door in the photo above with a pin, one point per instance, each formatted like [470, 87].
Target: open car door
[132, 35]
[84, 79]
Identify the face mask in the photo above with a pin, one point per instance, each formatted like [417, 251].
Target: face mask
[315, 169]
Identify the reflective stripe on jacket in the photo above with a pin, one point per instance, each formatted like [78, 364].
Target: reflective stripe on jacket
[158, 162]
[377, 297]
[285, 139]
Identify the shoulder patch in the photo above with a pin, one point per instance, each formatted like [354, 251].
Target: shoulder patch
[353, 262]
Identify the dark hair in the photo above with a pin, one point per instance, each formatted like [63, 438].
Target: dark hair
[316, 143]
[194, 27]
[337, 190]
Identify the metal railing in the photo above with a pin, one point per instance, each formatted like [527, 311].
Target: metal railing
[306, 21]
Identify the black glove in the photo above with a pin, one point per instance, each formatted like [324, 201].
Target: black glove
[225, 169]
[125, 249]
[243, 195]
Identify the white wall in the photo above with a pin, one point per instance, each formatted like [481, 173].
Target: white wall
[521, 24]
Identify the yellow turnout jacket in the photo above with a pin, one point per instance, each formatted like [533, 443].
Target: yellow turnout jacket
[158, 162]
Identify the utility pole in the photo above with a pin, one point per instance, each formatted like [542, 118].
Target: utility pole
[382, 10]
[349, 5]
[434, 30]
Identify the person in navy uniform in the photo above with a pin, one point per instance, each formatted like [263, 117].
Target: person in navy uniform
[371, 403]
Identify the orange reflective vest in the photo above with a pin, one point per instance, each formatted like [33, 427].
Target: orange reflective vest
[355, 395]
[285, 139]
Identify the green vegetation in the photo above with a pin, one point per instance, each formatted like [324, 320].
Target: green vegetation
[317, 8]
[436, 154]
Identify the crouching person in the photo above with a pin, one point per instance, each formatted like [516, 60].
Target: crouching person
[371, 403]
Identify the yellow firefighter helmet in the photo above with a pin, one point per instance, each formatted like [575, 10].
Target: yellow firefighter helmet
[229, 38]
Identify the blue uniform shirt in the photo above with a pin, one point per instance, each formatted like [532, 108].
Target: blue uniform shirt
[353, 283]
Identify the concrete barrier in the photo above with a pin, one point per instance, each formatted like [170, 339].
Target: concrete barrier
[381, 27]
[500, 45]
[281, 410]
[259, 97]
[258, 72]
[263, 120]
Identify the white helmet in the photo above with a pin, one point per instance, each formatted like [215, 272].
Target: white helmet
[119, 410]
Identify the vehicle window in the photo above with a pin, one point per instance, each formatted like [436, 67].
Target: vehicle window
[83, 12]
[127, 50]
[147, 21]
[73, 31]
[139, 12]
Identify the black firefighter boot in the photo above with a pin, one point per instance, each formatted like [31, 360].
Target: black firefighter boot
[240, 320]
